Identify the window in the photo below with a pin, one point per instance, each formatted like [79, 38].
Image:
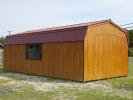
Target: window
[34, 51]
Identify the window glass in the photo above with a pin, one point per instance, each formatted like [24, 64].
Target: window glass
[33, 51]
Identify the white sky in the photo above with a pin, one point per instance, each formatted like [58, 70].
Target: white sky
[23, 15]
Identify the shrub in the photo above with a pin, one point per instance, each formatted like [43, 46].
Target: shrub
[130, 52]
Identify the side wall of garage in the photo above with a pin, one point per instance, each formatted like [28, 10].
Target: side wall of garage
[61, 60]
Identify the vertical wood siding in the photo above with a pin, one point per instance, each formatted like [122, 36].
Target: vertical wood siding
[61, 60]
[105, 53]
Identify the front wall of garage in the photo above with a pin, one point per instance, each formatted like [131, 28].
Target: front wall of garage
[106, 52]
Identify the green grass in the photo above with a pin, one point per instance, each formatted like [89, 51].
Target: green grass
[28, 93]
[123, 86]
[88, 94]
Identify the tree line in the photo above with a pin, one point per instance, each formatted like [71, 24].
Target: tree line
[130, 42]
[2, 40]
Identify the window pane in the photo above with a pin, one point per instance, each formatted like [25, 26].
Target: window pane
[30, 51]
[37, 52]
[34, 51]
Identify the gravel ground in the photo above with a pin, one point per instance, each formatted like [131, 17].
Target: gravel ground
[48, 84]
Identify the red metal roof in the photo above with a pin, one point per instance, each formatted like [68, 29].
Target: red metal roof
[75, 32]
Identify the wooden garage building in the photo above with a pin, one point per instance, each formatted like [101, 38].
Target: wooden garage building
[82, 52]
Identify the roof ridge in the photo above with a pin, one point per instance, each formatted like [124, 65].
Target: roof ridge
[61, 27]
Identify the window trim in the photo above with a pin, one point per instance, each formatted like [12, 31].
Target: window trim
[40, 51]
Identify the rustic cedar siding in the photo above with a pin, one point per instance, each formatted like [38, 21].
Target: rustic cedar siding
[61, 60]
[105, 52]
[99, 52]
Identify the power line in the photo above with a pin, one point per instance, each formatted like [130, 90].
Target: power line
[129, 27]
[126, 24]
[9, 32]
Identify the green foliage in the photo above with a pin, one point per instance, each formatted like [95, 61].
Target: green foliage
[130, 52]
[2, 40]
[130, 37]
[1, 69]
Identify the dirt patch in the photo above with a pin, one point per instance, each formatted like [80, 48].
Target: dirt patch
[43, 84]
[5, 90]
[47, 84]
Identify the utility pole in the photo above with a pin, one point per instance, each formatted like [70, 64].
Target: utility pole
[9, 32]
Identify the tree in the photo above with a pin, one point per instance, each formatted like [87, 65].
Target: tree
[2, 40]
[130, 37]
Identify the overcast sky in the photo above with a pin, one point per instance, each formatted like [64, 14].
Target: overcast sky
[23, 15]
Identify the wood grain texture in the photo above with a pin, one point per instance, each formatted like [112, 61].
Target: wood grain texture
[60, 60]
[105, 53]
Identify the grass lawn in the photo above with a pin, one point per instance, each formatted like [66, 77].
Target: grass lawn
[14, 86]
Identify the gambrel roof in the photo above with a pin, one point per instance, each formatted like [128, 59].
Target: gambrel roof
[74, 32]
